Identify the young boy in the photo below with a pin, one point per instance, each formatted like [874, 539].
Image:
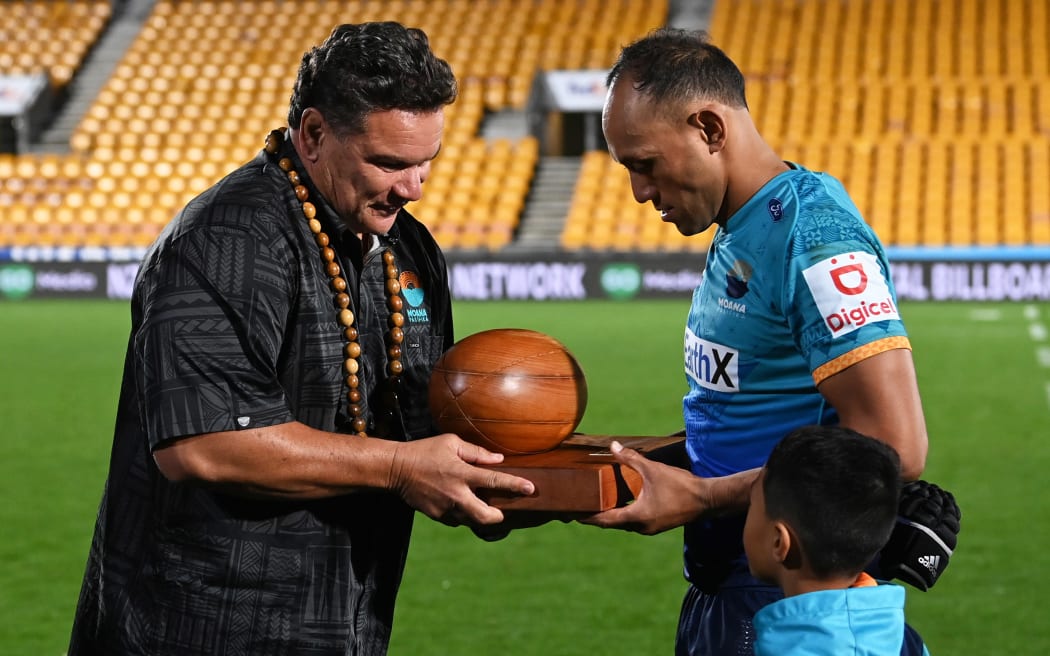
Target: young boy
[821, 509]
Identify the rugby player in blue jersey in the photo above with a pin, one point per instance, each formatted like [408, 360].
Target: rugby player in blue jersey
[795, 321]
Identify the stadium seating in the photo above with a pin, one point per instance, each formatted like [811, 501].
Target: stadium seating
[935, 115]
[50, 37]
[205, 81]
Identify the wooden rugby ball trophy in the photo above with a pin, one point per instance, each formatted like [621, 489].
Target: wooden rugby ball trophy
[522, 393]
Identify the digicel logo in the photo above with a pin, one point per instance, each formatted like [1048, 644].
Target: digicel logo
[850, 291]
[858, 316]
[842, 275]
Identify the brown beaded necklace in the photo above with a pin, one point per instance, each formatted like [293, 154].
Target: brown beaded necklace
[346, 317]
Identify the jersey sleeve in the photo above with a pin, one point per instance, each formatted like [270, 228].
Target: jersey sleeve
[215, 303]
[841, 291]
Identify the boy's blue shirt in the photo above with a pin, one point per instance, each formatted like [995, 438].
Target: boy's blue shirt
[864, 621]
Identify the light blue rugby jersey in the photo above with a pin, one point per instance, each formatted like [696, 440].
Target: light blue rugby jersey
[796, 288]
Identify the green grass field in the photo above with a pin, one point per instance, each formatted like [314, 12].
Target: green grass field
[560, 589]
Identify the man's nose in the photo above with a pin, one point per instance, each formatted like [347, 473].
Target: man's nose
[642, 188]
[410, 184]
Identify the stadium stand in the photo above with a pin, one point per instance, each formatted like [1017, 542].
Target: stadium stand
[935, 115]
[50, 37]
[205, 80]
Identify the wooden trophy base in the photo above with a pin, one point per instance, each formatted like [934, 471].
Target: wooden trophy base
[578, 476]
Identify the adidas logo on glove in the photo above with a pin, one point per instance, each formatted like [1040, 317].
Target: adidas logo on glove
[930, 563]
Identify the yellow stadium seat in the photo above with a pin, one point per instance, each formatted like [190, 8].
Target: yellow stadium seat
[934, 187]
[1013, 201]
[961, 228]
[906, 211]
[1038, 191]
[871, 124]
[859, 177]
[883, 190]
[921, 110]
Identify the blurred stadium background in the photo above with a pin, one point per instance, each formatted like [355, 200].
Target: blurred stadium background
[934, 113]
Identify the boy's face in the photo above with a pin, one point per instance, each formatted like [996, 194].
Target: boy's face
[760, 535]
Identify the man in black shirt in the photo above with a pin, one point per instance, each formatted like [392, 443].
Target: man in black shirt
[273, 439]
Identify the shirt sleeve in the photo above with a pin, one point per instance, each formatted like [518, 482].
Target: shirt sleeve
[215, 304]
[845, 307]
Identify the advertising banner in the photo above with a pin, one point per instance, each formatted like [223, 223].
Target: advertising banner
[972, 281]
[574, 277]
[571, 277]
[576, 90]
[20, 280]
[17, 92]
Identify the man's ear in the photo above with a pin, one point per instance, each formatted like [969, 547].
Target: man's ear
[712, 126]
[313, 130]
[786, 547]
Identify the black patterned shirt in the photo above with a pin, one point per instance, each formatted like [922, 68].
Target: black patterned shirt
[234, 327]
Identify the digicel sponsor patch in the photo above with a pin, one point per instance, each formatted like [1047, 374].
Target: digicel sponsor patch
[850, 290]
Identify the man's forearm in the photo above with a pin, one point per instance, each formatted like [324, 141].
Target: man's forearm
[728, 495]
[285, 461]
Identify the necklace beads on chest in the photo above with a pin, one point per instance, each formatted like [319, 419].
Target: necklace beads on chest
[345, 315]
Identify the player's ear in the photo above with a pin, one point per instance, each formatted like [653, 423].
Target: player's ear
[712, 126]
[786, 546]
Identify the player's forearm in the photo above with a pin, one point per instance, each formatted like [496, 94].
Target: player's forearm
[727, 495]
[290, 461]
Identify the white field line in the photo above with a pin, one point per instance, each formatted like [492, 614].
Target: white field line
[986, 314]
[1037, 331]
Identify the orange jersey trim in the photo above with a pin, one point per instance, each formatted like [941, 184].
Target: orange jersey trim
[864, 581]
[828, 369]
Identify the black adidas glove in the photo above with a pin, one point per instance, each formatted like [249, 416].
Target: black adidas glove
[924, 537]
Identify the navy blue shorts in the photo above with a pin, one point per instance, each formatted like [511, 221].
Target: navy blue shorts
[720, 623]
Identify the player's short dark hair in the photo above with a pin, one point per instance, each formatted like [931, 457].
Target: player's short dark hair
[674, 65]
[369, 67]
[839, 491]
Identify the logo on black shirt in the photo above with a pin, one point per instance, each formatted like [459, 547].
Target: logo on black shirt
[414, 295]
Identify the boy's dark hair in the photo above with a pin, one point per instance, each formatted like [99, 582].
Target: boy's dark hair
[360, 69]
[673, 65]
[839, 491]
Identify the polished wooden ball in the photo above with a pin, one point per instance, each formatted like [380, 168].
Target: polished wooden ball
[509, 390]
